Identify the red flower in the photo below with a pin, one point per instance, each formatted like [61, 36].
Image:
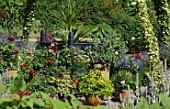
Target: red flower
[33, 72]
[138, 56]
[57, 73]
[50, 60]
[55, 48]
[25, 66]
[133, 51]
[21, 94]
[11, 39]
[8, 20]
[28, 53]
[122, 81]
[76, 81]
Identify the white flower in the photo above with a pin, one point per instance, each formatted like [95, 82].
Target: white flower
[122, 81]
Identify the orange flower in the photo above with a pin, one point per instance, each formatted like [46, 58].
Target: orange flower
[85, 40]
[76, 81]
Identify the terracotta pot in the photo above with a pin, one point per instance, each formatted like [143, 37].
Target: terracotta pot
[122, 95]
[92, 100]
[104, 68]
[1, 61]
[12, 72]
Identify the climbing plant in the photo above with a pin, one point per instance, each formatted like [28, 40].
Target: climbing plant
[163, 13]
[152, 43]
[28, 18]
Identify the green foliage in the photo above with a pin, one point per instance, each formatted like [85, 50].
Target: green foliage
[28, 18]
[143, 104]
[112, 47]
[9, 55]
[19, 84]
[11, 15]
[122, 79]
[128, 27]
[26, 99]
[163, 13]
[143, 79]
[95, 83]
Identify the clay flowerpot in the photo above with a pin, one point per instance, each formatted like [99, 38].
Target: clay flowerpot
[122, 95]
[104, 68]
[1, 61]
[92, 100]
[12, 72]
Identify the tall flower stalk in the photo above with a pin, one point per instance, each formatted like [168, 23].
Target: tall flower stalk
[152, 43]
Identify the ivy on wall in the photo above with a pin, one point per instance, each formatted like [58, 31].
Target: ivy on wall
[28, 18]
[163, 13]
[152, 42]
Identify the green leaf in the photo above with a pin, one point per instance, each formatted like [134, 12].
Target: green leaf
[15, 97]
[3, 88]
[155, 106]
[165, 101]
[128, 107]
[38, 103]
[19, 83]
[30, 103]
[142, 104]
[60, 105]
[85, 107]
[4, 100]
[100, 107]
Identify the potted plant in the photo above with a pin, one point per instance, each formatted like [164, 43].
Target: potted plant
[108, 53]
[121, 80]
[94, 84]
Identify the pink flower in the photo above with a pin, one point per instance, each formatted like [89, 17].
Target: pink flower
[52, 44]
[51, 50]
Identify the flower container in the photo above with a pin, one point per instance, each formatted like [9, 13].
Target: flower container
[91, 100]
[1, 61]
[104, 68]
[12, 72]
